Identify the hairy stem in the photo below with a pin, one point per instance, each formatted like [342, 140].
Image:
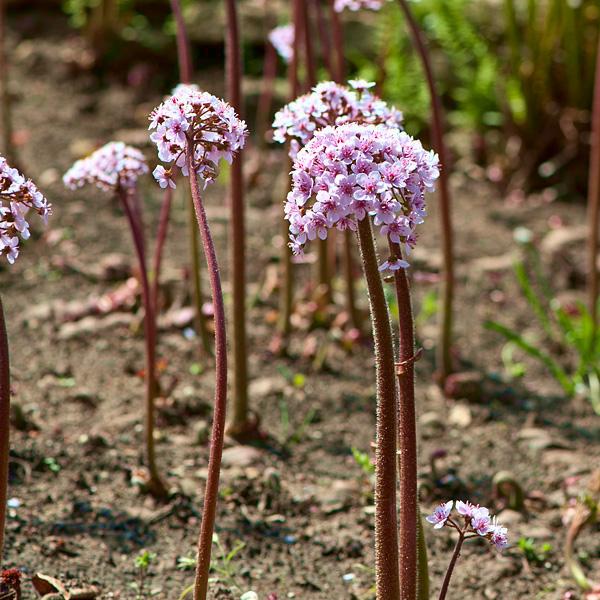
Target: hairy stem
[4, 424]
[451, 566]
[444, 357]
[407, 435]
[156, 485]
[220, 409]
[593, 205]
[239, 423]
[386, 520]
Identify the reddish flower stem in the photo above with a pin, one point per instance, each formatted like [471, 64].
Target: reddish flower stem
[265, 101]
[386, 521]
[451, 566]
[185, 76]
[220, 409]
[240, 424]
[324, 37]
[6, 145]
[338, 73]
[4, 424]
[593, 204]
[183, 44]
[444, 357]
[407, 435]
[161, 236]
[156, 485]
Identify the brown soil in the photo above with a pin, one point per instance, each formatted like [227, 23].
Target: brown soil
[302, 508]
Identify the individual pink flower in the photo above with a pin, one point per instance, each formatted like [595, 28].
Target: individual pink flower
[163, 177]
[17, 197]
[114, 166]
[465, 508]
[440, 515]
[282, 39]
[352, 171]
[191, 118]
[498, 535]
[480, 520]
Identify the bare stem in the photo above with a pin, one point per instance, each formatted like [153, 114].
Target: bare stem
[156, 484]
[451, 566]
[444, 357]
[6, 145]
[593, 204]
[4, 424]
[266, 96]
[220, 409]
[407, 435]
[161, 236]
[337, 32]
[183, 44]
[386, 520]
[240, 423]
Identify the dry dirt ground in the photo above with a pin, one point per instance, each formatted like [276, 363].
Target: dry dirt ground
[299, 503]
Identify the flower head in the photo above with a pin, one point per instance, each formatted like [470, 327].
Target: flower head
[347, 172]
[191, 118]
[330, 103]
[440, 515]
[355, 5]
[282, 39]
[17, 197]
[477, 520]
[114, 166]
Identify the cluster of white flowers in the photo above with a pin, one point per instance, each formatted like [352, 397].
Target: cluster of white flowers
[198, 119]
[114, 166]
[282, 39]
[17, 197]
[355, 5]
[355, 170]
[331, 104]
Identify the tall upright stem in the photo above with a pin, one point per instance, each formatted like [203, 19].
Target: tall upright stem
[240, 423]
[451, 566]
[4, 425]
[593, 206]
[220, 409]
[156, 484]
[183, 44]
[286, 277]
[185, 75]
[444, 357]
[161, 236]
[386, 520]
[6, 146]
[266, 96]
[339, 73]
[407, 435]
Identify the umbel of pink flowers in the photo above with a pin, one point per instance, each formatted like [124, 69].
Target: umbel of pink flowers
[476, 520]
[17, 197]
[347, 173]
[111, 167]
[330, 103]
[282, 39]
[199, 119]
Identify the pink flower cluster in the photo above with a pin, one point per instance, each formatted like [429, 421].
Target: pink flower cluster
[331, 104]
[17, 197]
[201, 120]
[114, 166]
[354, 170]
[282, 39]
[355, 5]
[476, 519]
